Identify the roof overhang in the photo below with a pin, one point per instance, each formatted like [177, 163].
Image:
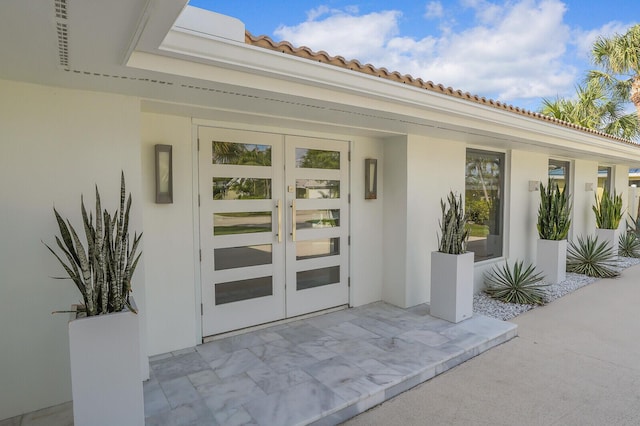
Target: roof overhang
[182, 60]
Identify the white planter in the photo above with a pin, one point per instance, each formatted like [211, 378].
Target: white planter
[451, 286]
[106, 376]
[610, 236]
[551, 260]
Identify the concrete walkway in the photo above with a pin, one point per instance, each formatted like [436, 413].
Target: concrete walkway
[576, 362]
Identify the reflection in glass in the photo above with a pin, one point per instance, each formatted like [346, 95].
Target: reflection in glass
[244, 154]
[241, 223]
[240, 257]
[559, 173]
[235, 291]
[317, 248]
[604, 179]
[306, 219]
[317, 277]
[317, 159]
[317, 189]
[226, 188]
[483, 202]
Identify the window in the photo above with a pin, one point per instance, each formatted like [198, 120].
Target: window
[484, 202]
[604, 179]
[559, 173]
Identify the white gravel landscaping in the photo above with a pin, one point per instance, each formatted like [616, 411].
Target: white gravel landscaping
[485, 305]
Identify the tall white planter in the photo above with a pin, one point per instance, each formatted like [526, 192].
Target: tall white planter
[610, 236]
[451, 286]
[551, 260]
[106, 375]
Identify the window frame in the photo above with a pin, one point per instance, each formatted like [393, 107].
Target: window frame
[502, 161]
[608, 182]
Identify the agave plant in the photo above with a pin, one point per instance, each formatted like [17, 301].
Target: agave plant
[591, 257]
[629, 245]
[554, 213]
[453, 226]
[634, 225]
[102, 272]
[516, 285]
[608, 210]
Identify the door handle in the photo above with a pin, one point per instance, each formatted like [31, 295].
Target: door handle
[279, 213]
[293, 220]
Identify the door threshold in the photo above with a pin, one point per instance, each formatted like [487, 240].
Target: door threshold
[272, 323]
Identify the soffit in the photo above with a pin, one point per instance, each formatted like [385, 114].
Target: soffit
[102, 36]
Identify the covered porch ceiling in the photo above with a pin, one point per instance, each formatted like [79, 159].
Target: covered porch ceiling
[121, 47]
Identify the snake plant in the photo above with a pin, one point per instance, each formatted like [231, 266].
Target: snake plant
[554, 212]
[608, 210]
[453, 226]
[102, 271]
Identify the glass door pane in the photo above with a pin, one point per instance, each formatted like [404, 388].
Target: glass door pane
[318, 210]
[242, 266]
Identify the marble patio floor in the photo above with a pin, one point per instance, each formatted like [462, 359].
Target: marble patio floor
[321, 370]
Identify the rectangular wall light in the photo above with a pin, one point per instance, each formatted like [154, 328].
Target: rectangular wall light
[164, 174]
[370, 179]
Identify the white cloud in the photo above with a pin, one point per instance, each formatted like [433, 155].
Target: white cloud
[514, 51]
[433, 10]
[584, 39]
[341, 33]
[317, 12]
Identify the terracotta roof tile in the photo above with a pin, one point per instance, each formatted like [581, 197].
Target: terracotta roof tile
[354, 65]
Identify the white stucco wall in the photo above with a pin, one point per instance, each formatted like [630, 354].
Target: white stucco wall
[169, 243]
[367, 225]
[584, 221]
[435, 167]
[419, 171]
[521, 222]
[56, 145]
[395, 221]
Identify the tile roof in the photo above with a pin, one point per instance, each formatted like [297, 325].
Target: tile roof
[354, 65]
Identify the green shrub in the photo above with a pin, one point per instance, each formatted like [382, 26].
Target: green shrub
[453, 226]
[477, 210]
[591, 257]
[629, 245]
[516, 285]
[608, 210]
[554, 212]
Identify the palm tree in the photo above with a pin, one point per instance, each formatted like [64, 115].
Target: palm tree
[595, 107]
[619, 56]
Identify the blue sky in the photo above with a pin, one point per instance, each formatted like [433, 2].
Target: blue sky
[515, 51]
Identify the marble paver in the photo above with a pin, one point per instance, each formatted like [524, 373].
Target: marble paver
[320, 370]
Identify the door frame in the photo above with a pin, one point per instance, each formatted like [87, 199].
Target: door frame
[195, 179]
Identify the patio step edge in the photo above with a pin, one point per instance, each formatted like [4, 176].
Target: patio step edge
[344, 413]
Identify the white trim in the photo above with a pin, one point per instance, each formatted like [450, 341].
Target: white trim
[196, 231]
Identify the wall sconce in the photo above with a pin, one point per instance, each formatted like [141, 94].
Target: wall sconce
[588, 187]
[164, 174]
[370, 179]
[534, 185]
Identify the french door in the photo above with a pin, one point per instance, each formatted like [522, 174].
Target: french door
[274, 226]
